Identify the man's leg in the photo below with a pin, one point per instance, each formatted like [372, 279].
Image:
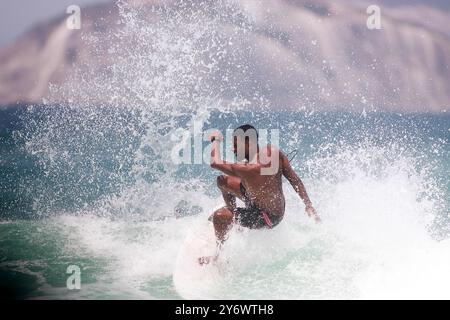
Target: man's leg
[230, 188]
[223, 218]
[223, 221]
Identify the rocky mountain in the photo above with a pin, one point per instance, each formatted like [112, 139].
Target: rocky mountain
[283, 53]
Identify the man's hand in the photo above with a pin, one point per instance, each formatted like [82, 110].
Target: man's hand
[215, 136]
[311, 212]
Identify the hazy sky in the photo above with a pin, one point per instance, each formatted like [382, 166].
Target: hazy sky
[16, 16]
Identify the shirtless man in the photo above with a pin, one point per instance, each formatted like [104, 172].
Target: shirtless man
[256, 181]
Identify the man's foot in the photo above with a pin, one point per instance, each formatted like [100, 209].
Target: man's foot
[207, 260]
[204, 260]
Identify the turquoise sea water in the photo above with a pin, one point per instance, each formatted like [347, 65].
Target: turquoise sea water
[96, 187]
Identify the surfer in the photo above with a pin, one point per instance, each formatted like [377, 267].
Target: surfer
[257, 180]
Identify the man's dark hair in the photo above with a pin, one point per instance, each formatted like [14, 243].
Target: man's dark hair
[245, 128]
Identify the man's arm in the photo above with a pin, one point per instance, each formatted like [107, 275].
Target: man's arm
[232, 169]
[298, 186]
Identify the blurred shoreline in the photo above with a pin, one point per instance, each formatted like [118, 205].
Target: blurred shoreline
[296, 54]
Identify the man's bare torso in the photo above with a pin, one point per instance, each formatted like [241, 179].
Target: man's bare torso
[266, 191]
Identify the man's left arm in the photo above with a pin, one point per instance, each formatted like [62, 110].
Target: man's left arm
[298, 186]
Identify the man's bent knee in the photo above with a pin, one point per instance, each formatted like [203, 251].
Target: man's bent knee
[222, 216]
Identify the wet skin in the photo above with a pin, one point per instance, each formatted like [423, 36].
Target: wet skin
[261, 174]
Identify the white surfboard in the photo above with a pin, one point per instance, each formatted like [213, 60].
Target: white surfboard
[191, 279]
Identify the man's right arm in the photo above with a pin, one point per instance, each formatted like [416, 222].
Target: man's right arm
[232, 169]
